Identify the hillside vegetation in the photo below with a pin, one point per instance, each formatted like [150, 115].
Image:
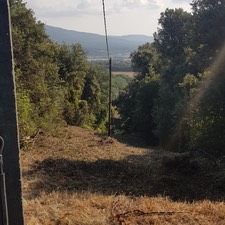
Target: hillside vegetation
[177, 99]
[73, 175]
[80, 177]
[55, 83]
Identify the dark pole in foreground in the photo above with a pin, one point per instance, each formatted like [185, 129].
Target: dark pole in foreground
[8, 120]
[3, 204]
[110, 96]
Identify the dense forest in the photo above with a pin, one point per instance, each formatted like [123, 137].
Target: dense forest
[177, 99]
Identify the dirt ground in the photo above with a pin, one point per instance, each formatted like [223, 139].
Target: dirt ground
[81, 177]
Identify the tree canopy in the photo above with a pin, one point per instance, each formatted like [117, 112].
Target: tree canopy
[177, 99]
[55, 84]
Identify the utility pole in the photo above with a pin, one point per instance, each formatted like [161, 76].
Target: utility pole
[110, 97]
[8, 122]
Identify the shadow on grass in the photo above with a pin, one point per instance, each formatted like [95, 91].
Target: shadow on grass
[130, 177]
[131, 140]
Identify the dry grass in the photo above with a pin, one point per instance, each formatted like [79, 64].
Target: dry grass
[82, 178]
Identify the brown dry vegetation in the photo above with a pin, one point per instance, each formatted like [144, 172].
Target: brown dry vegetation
[83, 178]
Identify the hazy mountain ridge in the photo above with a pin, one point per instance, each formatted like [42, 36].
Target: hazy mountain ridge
[94, 45]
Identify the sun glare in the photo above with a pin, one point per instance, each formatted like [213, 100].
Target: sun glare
[213, 78]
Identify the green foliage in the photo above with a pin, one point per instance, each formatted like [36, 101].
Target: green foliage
[97, 95]
[205, 120]
[55, 84]
[119, 83]
[179, 95]
[186, 54]
[86, 89]
[176, 100]
[145, 57]
[40, 96]
[136, 104]
[142, 118]
[171, 38]
[26, 122]
[72, 71]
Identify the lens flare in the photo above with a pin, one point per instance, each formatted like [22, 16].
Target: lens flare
[214, 78]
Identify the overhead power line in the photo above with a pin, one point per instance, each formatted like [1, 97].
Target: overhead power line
[106, 35]
[110, 72]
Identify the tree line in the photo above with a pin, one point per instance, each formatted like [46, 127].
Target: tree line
[55, 83]
[177, 100]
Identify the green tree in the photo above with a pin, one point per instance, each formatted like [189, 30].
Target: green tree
[119, 83]
[73, 68]
[96, 93]
[172, 36]
[136, 105]
[40, 94]
[186, 101]
[145, 57]
[171, 42]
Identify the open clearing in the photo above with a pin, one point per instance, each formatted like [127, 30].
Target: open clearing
[82, 178]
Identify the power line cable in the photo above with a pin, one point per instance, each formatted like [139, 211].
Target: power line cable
[106, 35]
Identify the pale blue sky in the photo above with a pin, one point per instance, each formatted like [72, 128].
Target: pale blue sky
[123, 16]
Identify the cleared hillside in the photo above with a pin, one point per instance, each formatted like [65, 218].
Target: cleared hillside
[79, 177]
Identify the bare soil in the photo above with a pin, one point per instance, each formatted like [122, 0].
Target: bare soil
[81, 177]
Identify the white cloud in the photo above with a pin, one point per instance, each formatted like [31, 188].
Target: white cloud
[89, 6]
[185, 4]
[127, 5]
[64, 8]
[94, 6]
[123, 16]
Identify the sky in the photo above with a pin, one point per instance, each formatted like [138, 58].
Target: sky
[123, 17]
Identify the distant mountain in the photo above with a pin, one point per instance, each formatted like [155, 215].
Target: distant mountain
[136, 38]
[94, 44]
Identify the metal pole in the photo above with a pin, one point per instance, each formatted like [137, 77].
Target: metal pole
[8, 120]
[4, 207]
[110, 96]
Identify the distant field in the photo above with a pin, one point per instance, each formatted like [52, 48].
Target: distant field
[128, 73]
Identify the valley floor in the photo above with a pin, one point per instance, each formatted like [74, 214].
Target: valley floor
[83, 178]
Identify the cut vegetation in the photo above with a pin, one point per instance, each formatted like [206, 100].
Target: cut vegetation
[81, 177]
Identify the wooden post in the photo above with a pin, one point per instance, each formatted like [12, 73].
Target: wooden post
[8, 120]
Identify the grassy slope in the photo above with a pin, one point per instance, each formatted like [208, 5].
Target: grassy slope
[82, 178]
